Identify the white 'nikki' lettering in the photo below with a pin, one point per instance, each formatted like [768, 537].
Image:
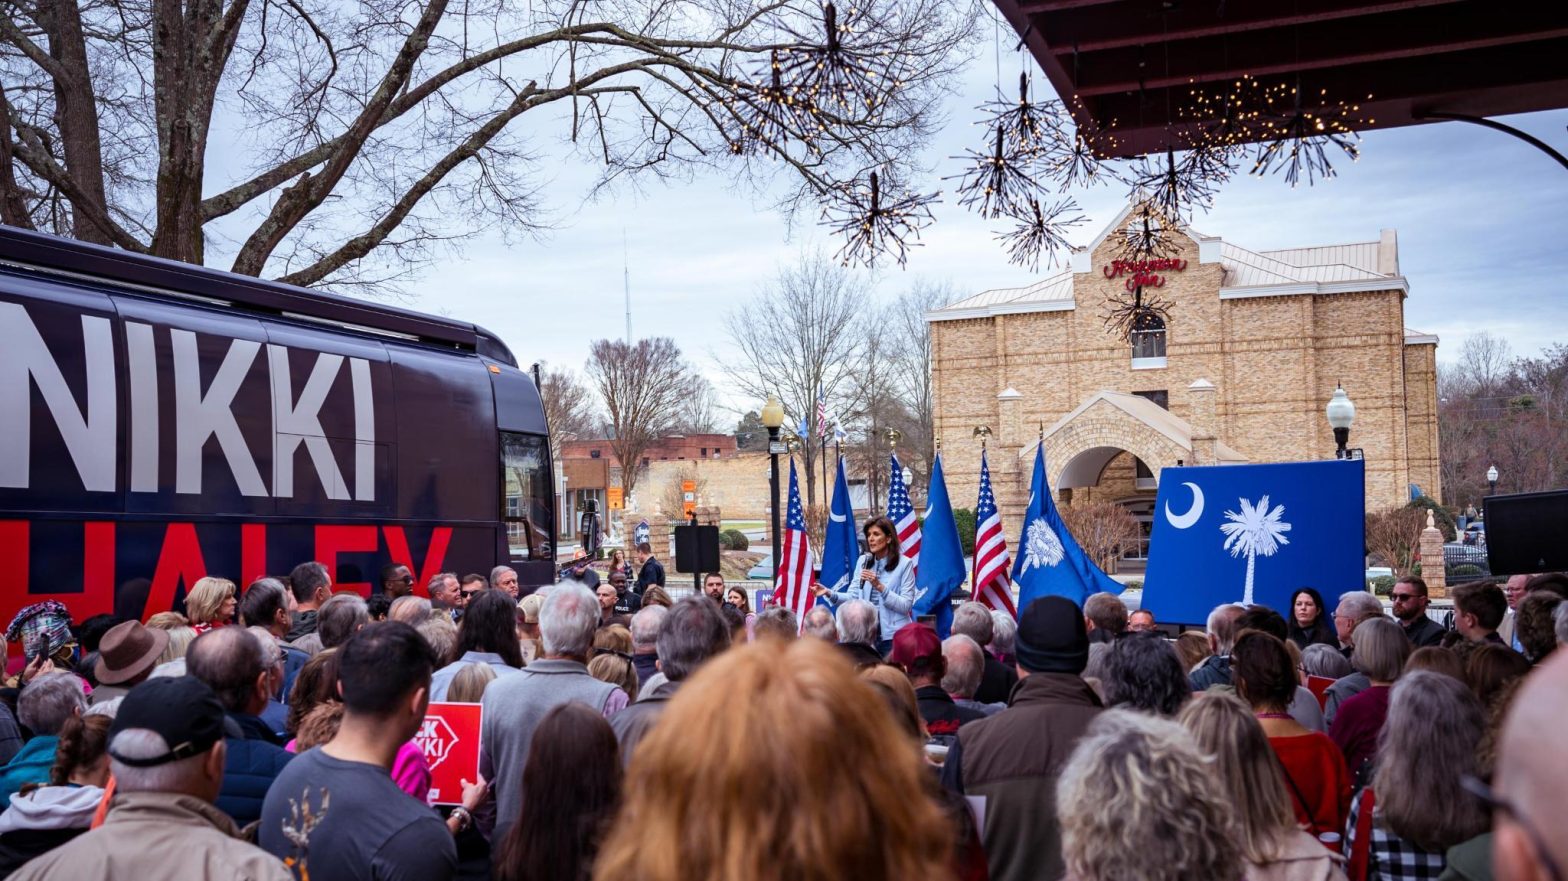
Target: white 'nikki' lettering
[198, 416]
[90, 435]
[300, 421]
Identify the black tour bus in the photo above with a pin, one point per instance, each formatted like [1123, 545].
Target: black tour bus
[160, 422]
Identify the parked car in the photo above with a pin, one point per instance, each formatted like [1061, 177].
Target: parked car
[763, 571]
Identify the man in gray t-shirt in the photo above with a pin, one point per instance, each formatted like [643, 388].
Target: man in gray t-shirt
[334, 812]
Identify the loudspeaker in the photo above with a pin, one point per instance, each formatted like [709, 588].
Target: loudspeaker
[696, 549]
[1527, 532]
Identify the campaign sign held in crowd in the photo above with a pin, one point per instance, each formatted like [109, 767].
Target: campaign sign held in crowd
[1254, 534]
[450, 739]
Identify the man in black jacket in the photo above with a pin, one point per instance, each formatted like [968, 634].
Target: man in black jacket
[917, 650]
[997, 680]
[1410, 599]
[650, 570]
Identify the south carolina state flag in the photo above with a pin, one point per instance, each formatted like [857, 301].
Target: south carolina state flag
[1254, 534]
[941, 555]
[1049, 561]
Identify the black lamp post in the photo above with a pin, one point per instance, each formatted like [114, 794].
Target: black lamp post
[772, 420]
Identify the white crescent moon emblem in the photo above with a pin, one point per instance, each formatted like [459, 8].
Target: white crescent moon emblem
[1186, 520]
[837, 518]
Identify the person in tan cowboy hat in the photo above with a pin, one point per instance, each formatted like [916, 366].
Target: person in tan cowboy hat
[126, 657]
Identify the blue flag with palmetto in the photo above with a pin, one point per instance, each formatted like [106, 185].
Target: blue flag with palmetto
[1049, 560]
[942, 567]
[841, 543]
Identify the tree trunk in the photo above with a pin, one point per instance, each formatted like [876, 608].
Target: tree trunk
[191, 46]
[76, 114]
[13, 208]
[1246, 597]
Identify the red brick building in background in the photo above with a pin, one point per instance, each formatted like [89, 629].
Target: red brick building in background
[589, 467]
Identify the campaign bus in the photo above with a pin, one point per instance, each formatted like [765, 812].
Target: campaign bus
[160, 422]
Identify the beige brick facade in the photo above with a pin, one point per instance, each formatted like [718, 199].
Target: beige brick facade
[1273, 332]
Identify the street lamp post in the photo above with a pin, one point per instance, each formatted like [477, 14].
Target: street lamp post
[772, 420]
[1341, 413]
[1491, 478]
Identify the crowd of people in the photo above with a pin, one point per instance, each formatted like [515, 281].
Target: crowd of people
[270, 733]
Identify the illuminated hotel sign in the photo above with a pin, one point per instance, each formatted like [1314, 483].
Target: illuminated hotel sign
[1143, 272]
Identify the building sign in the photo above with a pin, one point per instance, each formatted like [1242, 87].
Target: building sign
[449, 737]
[1143, 273]
[688, 498]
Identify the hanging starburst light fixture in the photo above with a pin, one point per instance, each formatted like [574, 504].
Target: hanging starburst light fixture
[1138, 311]
[873, 222]
[1041, 231]
[847, 68]
[1303, 138]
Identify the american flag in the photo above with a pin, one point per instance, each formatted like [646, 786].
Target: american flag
[992, 585]
[822, 415]
[793, 590]
[902, 513]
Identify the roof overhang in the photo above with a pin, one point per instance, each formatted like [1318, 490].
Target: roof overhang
[1135, 63]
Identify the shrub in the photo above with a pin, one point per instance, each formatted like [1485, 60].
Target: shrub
[1464, 570]
[966, 528]
[1135, 584]
[733, 540]
[1383, 585]
[1442, 518]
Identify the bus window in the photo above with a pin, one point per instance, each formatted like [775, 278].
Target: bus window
[526, 496]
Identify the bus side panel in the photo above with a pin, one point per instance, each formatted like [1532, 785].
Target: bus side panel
[447, 445]
[139, 567]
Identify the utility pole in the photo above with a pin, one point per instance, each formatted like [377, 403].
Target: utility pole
[626, 282]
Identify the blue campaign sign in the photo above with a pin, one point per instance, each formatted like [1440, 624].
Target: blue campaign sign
[1253, 534]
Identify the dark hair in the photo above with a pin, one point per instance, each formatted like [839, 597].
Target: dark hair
[1438, 660]
[260, 602]
[473, 578]
[1265, 619]
[1556, 582]
[644, 547]
[90, 632]
[733, 619]
[1142, 671]
[490, 625]
[1534, 623]
[377, 605]
[1491, 667]
[694, 631]
[1322, 627]
[381, 664]
[306, 579]
[1484, 600]
[575, 758]
[1414, 581]
[83, 740]
[894, 556]
[1261, 667]
[315, 684]
[229, 660]
[706, 576]
[389, 571]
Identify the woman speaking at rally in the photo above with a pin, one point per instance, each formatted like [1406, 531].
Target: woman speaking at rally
[884, 580]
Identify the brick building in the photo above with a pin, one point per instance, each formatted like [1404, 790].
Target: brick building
[1255, 344]
[589, 468]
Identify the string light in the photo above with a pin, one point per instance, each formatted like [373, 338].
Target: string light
[873, 223]
[1137, 312]
[1303, 137]
[1042, 230]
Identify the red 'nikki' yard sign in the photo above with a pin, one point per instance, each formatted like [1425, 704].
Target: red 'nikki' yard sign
[450, 739]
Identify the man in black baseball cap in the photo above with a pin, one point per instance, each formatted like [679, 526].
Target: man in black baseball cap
[166, 753]
[1014, 757]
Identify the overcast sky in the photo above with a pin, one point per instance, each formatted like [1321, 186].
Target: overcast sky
[1479, 217]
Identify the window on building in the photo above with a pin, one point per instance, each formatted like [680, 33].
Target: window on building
[1158, 396]
[1148, 344]
[704, 452]
[593, 454]
[1143, 476]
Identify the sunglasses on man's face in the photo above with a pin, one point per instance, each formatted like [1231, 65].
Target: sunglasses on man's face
[1406, 597]
[468, 593]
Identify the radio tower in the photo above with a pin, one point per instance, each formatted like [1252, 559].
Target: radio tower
[626, 282]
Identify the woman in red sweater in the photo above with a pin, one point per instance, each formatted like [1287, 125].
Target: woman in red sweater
[1314, 767]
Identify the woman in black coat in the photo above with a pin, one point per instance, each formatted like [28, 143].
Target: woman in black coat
[1309, 619]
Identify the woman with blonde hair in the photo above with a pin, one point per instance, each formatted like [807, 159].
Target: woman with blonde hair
[703, 791]
[616, 668]
[1193, 647]
[411, 610]
[656, 595]
[210, 603]
[1273, 845]
[468, 686]
[1138, 800]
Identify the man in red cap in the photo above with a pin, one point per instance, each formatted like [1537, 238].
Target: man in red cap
[917, 650]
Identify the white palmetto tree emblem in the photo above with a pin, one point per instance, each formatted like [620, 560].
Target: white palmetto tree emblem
[1041, 546]
[1256, 531]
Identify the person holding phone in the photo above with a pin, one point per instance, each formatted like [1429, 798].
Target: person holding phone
[884, 579]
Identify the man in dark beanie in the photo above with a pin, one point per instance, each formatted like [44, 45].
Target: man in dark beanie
[1014, 757]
